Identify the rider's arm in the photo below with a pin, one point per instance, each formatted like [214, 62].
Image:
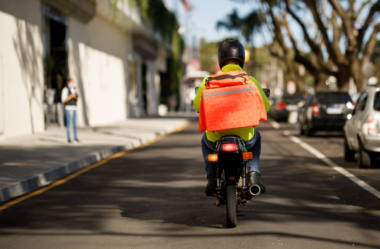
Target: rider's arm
[265, 99]
[198, 97]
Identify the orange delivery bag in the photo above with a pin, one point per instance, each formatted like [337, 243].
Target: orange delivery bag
[230, 101]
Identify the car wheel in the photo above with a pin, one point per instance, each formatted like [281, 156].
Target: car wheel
[375, 160]
[308, 131]
[302, 131]
[349, 155]
[364, 161]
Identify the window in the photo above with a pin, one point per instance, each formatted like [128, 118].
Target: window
[362, 101]
[309, 99]
[334, 97]
[294, 99]
[376, 104]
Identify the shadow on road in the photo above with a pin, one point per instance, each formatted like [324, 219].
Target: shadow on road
[165, 182]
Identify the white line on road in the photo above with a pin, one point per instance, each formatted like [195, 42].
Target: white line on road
[336, 167]
[275, 124]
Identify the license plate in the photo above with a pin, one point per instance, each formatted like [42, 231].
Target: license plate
[334, 110]
[292, 107]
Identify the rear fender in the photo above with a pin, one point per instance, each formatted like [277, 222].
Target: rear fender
[230, 161]
[231, 175]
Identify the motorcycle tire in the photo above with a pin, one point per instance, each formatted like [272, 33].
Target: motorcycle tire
[231, 206]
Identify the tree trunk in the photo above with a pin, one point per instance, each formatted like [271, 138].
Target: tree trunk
[343, 80]
[357, 75]
[299, 85]
[320, 81]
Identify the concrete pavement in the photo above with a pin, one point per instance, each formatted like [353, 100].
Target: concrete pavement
[29, 162]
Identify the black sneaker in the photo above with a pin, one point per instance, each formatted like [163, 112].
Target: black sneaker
[254, 178]
[211, 184]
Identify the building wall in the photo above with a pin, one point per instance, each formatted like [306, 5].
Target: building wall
[21, 68]
[98, 53]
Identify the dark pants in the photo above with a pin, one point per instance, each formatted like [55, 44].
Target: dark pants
[253, 145]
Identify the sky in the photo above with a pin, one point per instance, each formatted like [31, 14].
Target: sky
[206, 13]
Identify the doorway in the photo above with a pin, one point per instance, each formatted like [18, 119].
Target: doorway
[54, 36]
[58, 54]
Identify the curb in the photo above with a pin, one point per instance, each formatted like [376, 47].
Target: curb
[45, 178]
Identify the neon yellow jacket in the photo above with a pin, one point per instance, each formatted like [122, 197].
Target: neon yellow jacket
[244, 133]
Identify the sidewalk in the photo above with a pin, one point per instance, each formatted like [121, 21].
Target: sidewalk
[30, 162]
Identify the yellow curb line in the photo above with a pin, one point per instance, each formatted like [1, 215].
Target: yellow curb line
[71, 176]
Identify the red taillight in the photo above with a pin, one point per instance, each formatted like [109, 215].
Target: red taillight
[280, 105]
[229, 147]
[371, 126]
[315, 109]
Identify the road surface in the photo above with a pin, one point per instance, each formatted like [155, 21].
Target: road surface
[153, 197]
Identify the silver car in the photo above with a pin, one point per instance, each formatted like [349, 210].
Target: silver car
[362, 130]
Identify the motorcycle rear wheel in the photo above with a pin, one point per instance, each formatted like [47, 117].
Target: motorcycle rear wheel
[231, 206]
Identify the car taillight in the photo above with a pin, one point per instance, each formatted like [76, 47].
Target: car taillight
[280, 106]
[371, 126]
[315, 109]
[229, 147]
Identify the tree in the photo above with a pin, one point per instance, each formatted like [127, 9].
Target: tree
[253, 23]
[281, 51]
[247, 26]
[340, 41]
[164, 24]
[208, 55]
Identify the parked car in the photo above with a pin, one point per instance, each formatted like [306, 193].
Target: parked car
[362, 130]
[282, 106]
[324, 111]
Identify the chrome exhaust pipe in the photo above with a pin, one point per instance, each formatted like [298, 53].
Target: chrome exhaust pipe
[253, 191]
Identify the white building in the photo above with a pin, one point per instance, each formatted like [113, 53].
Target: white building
[115, 63]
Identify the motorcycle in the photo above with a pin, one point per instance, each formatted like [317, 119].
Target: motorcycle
[231, 158]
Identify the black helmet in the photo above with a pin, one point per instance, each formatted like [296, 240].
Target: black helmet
[231, 49]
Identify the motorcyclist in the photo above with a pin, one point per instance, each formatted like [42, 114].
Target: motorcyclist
[231, 57]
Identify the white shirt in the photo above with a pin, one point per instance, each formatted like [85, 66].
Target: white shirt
[65, 94]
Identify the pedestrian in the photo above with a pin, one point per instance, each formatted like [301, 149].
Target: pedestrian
[69, 99]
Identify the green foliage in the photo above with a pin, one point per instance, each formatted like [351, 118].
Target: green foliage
[208, 52]
[247, 25]
[54, 67]
[155, 14]
[262, 56]
[162, 20]
[164, 23]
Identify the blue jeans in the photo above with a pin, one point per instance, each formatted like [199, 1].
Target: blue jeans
[71, 119]
[253, 145]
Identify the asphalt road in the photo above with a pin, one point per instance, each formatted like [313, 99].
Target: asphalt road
[154, 198]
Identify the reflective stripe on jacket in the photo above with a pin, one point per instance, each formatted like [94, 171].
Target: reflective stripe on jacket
[245, 133]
